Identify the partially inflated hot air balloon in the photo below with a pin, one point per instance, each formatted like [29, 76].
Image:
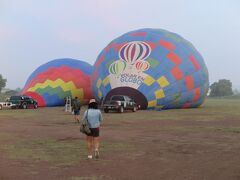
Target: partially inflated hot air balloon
[161, 70]
[52, 82]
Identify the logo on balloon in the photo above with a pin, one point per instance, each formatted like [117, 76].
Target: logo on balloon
[132, 54]
[117, 67]
[142, 65]
[134, 51]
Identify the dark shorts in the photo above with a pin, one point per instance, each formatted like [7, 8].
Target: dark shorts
[94, 132]
[76, 112]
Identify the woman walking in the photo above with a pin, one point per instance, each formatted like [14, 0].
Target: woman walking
[94, 117]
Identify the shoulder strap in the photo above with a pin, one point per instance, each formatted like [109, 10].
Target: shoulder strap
[87, 116]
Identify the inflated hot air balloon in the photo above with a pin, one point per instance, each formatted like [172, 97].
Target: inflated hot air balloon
[52, 82]
[161, 70]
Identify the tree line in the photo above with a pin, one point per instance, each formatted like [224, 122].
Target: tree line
[221, 88]
[9, 92]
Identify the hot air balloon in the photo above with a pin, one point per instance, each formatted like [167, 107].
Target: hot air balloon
[52, 82]
[163, 70]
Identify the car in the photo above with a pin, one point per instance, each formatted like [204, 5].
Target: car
[5, 105]
[120, 103]
[22, 102]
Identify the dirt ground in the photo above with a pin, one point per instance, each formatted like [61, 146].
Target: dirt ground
[189, 144]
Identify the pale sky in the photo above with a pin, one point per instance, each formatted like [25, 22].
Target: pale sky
[34, 32]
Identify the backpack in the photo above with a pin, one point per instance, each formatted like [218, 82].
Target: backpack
[76, 104]
[84, 126]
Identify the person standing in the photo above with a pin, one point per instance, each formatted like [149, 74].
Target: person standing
[94, 117]
[76, 107]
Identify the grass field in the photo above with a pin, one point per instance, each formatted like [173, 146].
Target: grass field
[199, 143]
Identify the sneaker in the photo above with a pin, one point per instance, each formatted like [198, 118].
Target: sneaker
[96, 154]
[89, 156]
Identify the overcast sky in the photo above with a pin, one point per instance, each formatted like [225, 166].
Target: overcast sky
[34, 32]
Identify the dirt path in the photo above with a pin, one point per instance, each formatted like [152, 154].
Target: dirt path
[46, 144]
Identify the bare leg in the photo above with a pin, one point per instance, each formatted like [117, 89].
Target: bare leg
[89, 145]
[96, 146]
[96, 143]
[76, 118]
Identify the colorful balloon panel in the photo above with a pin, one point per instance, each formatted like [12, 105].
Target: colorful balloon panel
[52, 82]
[162, 70]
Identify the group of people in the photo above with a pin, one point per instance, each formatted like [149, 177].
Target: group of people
[94, 118]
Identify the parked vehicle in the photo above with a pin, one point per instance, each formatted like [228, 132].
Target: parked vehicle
[23, 102]
[5, 105]
[120, 103]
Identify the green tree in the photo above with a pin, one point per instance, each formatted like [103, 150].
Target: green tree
[18, 89]
[221, 88]
[2, 83]
[11, 93]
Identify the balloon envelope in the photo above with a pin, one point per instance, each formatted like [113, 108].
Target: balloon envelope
[52, 82]
[162, 70]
